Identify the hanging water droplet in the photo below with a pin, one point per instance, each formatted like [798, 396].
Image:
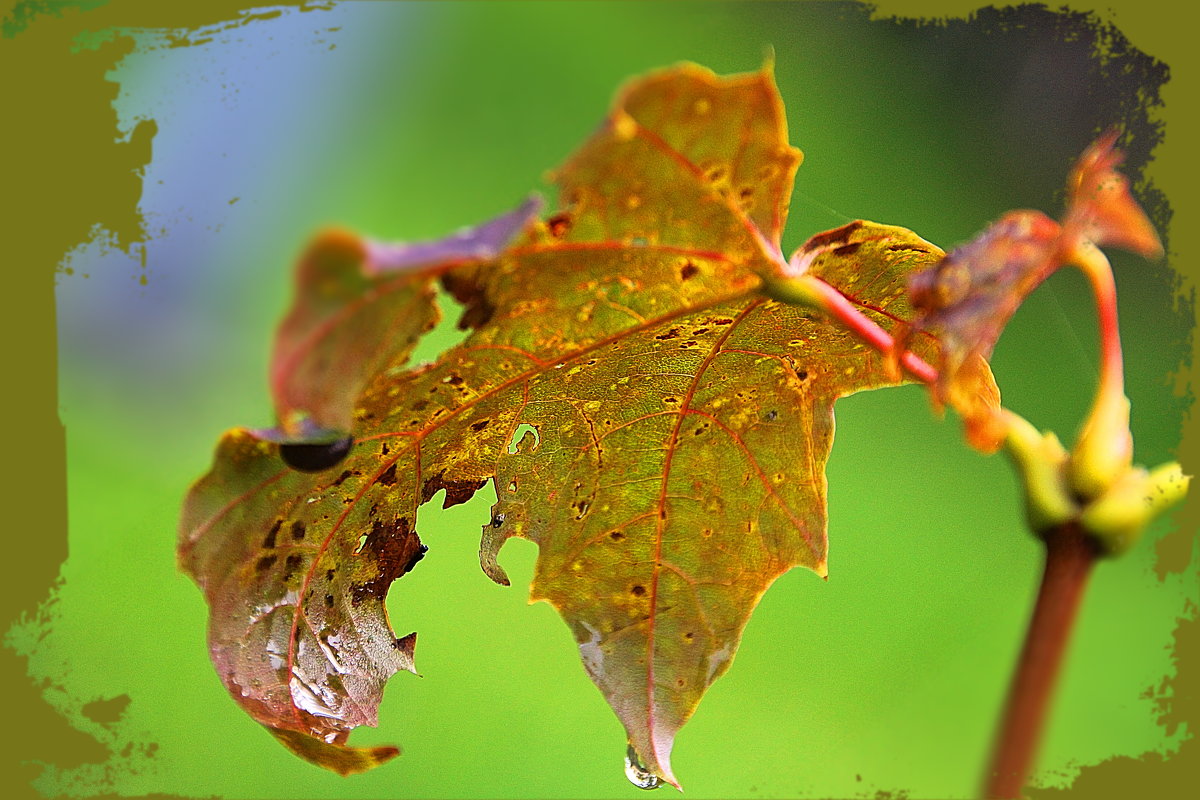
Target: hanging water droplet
[638, 775]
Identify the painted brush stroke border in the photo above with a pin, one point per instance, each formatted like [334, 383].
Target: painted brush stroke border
[54, 197]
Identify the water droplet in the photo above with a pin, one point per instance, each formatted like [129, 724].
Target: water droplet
[638, 775]
[315, 457]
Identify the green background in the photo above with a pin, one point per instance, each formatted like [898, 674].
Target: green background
[406, 121]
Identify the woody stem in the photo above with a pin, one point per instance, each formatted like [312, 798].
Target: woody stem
[1070, 556]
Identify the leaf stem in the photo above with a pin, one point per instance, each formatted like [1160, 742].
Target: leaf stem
[1104, 450]
[1099, 275]
[810, 290]
[1070, 556]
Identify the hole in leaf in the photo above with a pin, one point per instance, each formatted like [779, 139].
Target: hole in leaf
[524, 439]
[444, 336]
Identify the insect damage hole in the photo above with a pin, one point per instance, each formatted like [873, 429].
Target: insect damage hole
[443, 336]
[525, 439]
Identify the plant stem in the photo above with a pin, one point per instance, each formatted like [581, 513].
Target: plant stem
[841, 308]
[1070, 555]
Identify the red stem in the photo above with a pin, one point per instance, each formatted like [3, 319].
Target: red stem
[1099, 275]
[1070, 555]
[836, 303]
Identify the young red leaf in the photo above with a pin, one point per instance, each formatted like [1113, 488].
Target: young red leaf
[656, 425]
[968, 298]
[1100, 207]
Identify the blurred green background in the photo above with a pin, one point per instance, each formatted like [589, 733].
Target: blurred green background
[408, 120]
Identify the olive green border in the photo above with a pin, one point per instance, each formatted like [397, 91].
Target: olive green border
[62, 173]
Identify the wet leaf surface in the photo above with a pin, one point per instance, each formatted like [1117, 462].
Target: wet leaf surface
[648, 418]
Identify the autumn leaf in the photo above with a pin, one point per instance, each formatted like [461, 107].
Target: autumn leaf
[651, 420]
[360, 304]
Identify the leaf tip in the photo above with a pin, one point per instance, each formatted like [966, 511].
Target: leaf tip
[1102, 204]
[768, 66]
[335, 757]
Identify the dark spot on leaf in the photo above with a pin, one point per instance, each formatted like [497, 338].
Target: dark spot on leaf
[478, 426]
[297, 531]
[847, 249]
[699, 331]
[406, 644]
[291, 564]
[456, 491]
[745, 192]
[680, 683]
[478, 309]
[907, 247]
[802, 374]
[617, 536]
[329, 574]
[671, 334]
[383, 450]
[559, 224]
[453, 380]
[265, 563]
[687, 637]
[269, 542]
[388, 478]
[581, 506]
[329, 601]
[716, 173]
[420, 405]
[342, 478]
[771, 415]
[688, 270]
[497, 520]
[315, 457]
[723, 321]
[638, 590]
[395, 548]
[834, 237]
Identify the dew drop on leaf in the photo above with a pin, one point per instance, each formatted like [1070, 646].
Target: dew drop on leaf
[315, 457]
[638, 775]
